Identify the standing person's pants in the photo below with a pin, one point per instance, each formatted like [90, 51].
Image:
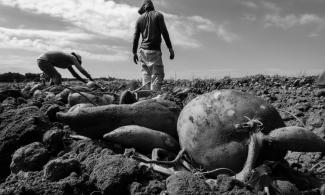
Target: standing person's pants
[152, 69]
[50, 71]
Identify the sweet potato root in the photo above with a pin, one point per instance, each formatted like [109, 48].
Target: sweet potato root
[297, 139]
[94, 122]
[142, 138]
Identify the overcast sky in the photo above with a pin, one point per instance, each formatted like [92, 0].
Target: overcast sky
[211, 38]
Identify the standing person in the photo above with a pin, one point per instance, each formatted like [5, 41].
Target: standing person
[151, 25]
[51, 59]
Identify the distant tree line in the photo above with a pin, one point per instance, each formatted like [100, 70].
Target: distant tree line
[17, 77]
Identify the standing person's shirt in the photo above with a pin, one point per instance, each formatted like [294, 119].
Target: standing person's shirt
[59, 59]
[151, 25]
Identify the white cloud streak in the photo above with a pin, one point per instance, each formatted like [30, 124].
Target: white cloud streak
[192, 25]
[292, 20]
[44, 40]
[249, 4]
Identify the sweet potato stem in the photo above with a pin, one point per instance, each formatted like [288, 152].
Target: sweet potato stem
[172, 163]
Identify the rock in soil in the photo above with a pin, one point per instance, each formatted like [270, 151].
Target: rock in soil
[29, 158]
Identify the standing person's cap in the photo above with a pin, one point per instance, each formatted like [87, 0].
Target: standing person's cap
[146, 6]
[77, 56]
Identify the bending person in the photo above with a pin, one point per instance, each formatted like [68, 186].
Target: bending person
[51, 59]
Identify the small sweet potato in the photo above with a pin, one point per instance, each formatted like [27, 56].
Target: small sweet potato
[297, 139]
[142, 138]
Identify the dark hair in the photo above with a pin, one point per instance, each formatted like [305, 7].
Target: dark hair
[78, 57]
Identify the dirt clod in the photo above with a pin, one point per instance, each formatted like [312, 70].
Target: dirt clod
[112, 174]
[29, 158]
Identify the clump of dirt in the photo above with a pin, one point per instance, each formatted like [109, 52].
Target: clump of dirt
[186, 183]
[226, 185]
[36, 183]
[153, 187]
[19, 127]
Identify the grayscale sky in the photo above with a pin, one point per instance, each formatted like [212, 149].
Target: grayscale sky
[211, 38]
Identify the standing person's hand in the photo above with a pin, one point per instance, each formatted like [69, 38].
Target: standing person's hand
[135, 58]
[172, 53]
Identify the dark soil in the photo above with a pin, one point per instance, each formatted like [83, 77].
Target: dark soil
[94, 167]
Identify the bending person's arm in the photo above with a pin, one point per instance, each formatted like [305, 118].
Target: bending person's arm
[82, 70]
[76, 75]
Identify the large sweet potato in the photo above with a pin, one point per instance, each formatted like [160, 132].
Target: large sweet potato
[94, 122]
[206, 128]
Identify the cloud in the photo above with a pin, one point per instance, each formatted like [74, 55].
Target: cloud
[226, 35]
[46, 34]
[115, 20]
[44, 40]
[105, 18]
[192, 25]
[292, 20]
[271, 6]
[249, 4]
[249, 17]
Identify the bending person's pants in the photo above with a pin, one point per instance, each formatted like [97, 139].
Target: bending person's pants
[152, 69]
[50, 71]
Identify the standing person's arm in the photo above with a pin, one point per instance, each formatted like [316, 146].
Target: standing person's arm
[81, 69]
[136, 38]
[76, 75]
[165, 34]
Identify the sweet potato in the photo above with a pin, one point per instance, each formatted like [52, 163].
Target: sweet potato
[297, 139]
[77, 107]
[142, 138]
[77, 98]
[127, 97]
[94, 122]
[63, 95]
[206, 128]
